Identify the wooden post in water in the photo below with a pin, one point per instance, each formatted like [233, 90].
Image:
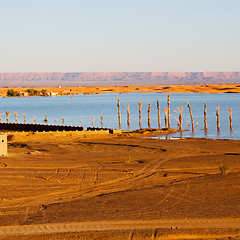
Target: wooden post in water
[1, 117]
[101, 117]
[24, 117]
[165, 110]
[8, 114]
[140, 114]
[159, 119]
[45, 119]
[205, 116]
[63, 120]
[180, 109]
[16, 115]
[218, 120]
[92, 120]
[128, 115]
[119, 112]
[190, 111]
[168, 103]
[230, 118]
[149, 119]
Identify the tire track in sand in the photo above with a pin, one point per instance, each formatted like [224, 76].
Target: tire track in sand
[76, 192]
[95, 177]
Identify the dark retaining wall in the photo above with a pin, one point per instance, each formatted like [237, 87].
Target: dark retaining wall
[34, 127]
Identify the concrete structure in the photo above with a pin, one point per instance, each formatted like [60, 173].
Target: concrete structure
[3, 144]
[115, 131]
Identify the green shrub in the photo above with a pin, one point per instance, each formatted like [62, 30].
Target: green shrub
[11, 93]
[32, 92]
[43, 92]
[129, 159]
[223, 168]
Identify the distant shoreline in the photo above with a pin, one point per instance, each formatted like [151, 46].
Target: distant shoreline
[60, 91]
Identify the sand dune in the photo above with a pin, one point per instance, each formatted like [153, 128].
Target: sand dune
[204, 88]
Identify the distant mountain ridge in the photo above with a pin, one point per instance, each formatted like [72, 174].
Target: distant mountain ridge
[116, 78]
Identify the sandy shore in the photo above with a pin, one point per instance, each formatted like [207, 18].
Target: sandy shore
[205, 88]
[71, 180]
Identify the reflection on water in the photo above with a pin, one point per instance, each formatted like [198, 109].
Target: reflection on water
[197, 134]
[231, 133]
[206, 134]
[181, 135]
[79, 110]
[219, 133]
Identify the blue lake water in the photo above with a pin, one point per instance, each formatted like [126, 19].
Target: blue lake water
[78, 110]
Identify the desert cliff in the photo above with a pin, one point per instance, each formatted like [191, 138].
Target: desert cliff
[117, 78]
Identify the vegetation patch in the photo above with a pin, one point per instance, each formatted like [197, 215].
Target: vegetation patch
[223, 168]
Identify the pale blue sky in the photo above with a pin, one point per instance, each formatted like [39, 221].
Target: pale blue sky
[119, 35]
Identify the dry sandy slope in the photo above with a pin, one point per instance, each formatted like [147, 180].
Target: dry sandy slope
[54, 178]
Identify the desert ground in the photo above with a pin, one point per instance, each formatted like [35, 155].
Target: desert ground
[63, 185]
[203, 88]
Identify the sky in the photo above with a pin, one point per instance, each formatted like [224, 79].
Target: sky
[119, 35]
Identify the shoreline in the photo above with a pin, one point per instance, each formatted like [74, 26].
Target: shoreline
[61, 91]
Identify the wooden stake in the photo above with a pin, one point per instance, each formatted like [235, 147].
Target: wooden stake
[190, 111]
[205, 116]
[128, 115]
[45, 119]
[1, 116]
[165, 110]
[180, 109]
[149, 110]
[24, 117]
[230, 118]
[140, 114]
[159, 119]
[218, 120]
[92, 120]
[15, 114]
[119, 112]
[168, 103]
[8, 114]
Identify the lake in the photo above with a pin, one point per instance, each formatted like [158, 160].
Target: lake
[79, 110]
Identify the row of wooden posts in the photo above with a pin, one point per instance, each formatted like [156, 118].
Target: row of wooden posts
[44, 120]
[24, 117]
[167, 115]
[165, 110]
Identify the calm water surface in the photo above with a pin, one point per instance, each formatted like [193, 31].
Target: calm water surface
[80, 109]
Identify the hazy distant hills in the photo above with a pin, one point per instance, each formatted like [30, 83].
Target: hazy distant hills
[116, 78]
